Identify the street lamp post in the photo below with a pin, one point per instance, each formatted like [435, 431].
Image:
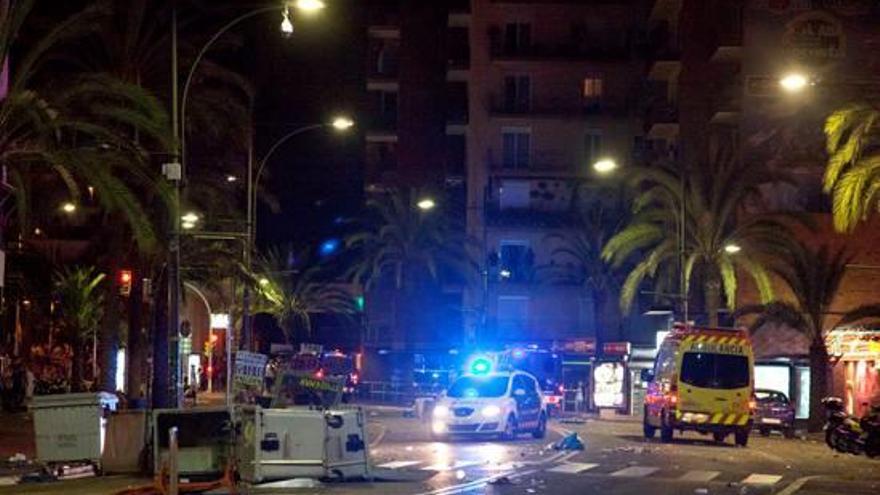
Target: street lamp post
[175, 170]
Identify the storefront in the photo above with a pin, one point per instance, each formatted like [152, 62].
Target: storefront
[855, 372]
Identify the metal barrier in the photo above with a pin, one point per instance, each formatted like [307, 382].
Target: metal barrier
[173, 462]
[393, 392]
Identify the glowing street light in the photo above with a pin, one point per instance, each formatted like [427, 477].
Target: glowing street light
[231, 178]
[426, 204]
[342, 123]
[732, 248]
[264, 281]
[188, 221]
[68, 207]
[794, 82]
[310, 5]
[605, 166]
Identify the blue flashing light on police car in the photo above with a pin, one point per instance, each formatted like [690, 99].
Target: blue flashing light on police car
[481, 365]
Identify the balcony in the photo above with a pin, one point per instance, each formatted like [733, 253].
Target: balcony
[575, 52]
[662, 120]
[727, 104]
[729, 34]
[383, 23]
[558, 107]
[530, 202]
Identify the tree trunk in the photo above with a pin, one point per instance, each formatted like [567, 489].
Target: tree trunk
[161, 386]
[79, 360]
[713, 301]
[818, 383]
[135, 386]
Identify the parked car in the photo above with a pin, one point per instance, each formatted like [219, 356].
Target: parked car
[774, 412]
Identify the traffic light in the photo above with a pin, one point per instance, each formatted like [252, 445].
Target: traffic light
[124, 278]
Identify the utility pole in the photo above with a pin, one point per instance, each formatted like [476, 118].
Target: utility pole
[174, 173]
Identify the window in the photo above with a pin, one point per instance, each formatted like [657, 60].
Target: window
[387, 60]
[592, 147]
[720, 371]
[517, 37]
[517, 261]
[516, 148]
[592, 88]
[456, 102]
[388, 102]
[456, 154]
[517, 93]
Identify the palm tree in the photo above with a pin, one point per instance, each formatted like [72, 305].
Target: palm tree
[712, 198]
[853, 173]
[291, 290]
[814, 277]
[599, 279]
[81, 304]
[408, 250]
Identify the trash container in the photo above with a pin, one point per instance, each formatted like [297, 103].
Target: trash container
[70, 427]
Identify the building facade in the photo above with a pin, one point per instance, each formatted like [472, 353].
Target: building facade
[554, 87]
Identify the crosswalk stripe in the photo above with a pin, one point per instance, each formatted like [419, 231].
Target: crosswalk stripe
[634, 472]
[398, 464]
[448, 467]
[698, 476]
[572, 467]
[761, 479]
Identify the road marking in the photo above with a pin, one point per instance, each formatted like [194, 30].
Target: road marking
[762, 479]
[448, 467]
[572, 468]
[455, 489]
[635, 472]
[798, 484]
[698, 476]
[398, 464]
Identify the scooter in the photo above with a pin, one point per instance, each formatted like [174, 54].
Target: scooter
[848, 434]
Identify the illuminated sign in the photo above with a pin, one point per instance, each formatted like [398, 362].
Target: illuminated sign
[608, 385]
[581, 346]
[616, 348]
[220, 320]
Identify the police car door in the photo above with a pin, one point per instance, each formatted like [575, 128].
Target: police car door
[528, 401]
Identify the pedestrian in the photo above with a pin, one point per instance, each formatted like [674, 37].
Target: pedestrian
[30, 382]
[579, 398]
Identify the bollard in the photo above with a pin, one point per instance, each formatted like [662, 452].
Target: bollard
[173, 466]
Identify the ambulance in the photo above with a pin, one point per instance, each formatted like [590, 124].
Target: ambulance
[703, 381]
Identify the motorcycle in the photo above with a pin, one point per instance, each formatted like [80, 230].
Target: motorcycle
[848, 434]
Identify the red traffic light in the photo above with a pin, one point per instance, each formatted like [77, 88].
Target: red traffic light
[124, 277]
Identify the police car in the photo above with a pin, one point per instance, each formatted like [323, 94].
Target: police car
[491, 403]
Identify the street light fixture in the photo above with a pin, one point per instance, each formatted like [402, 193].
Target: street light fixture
[68, 207]
[732, 248]
[794, 82]
[342, 123]
[426, 204]
[231, 178]
[310, 5]
[605, 166]
[286, 24]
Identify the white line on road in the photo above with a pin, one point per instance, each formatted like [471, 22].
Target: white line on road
[572, 468]
[797, 484]
[635, 472]
[382, 431]
[762, 479]
[452, 490]
[697, 476]
[398, 464]
[450, 467]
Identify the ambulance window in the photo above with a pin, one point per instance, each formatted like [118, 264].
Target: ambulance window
[665, 366]
[720, 371]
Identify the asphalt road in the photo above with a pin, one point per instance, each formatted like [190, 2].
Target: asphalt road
[616, 460]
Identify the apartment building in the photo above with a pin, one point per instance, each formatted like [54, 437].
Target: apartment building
[553, 87]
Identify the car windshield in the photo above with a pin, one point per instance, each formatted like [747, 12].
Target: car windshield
[473, 387]
[722, 371]
[767, 396]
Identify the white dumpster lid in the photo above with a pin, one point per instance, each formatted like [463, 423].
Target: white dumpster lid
[73, 400]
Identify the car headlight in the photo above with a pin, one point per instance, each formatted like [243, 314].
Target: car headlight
[491, 411]
[441, 411]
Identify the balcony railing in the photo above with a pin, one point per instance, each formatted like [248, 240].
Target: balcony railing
[499, 105]
[558, 51]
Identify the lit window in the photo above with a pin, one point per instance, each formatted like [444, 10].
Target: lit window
[592, 87]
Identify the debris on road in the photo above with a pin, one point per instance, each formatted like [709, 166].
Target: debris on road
[502, 480]
[569, 442]
[701, 491]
